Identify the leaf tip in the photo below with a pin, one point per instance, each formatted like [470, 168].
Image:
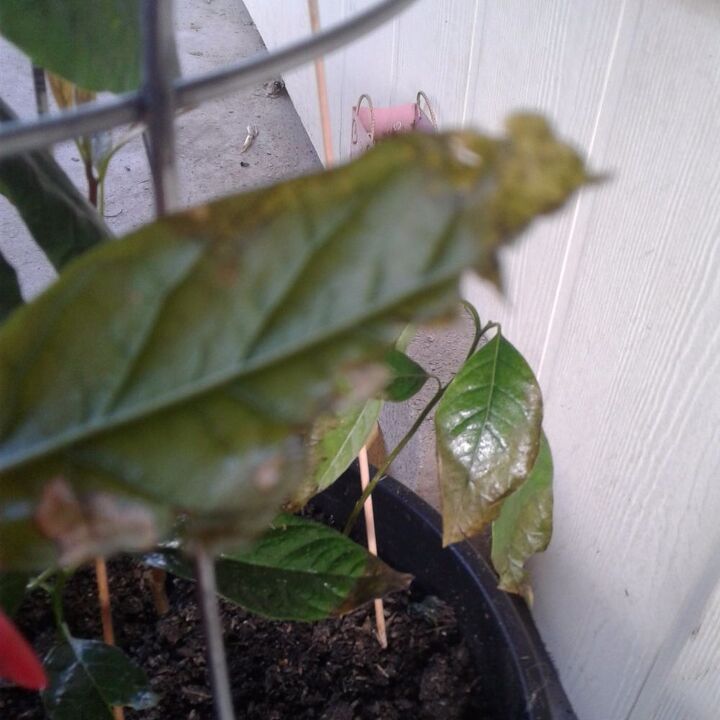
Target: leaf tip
[378, 580]
[520, 587]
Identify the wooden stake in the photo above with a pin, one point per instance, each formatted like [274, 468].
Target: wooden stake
[372, 542]
[104, 597]
[156, 580]
[103, 587]
[324, 104]
[321, 80]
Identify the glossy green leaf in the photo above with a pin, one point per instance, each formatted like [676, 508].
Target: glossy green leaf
[12, 591]
[10, 296]
[488, 434]
[298, 570]
[183, 364]
[87, 678]
[408, 377]
[524, 525]
[335, 441]
[61, 220]
[94, 44]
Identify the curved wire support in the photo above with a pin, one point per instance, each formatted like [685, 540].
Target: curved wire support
[18, 137]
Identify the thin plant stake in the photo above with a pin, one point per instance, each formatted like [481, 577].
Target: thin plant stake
[321, 79]
[372, 541]
[324, 104]
[101, 578]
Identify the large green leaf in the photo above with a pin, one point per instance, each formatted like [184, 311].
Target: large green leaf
[407, 376]
[94, 44]
[524, 526]
[183, 364]
[335, 441]
[298, 570]
[87, 678]
[10, 296]
[12, 591]
[488, 434]
[61, 220]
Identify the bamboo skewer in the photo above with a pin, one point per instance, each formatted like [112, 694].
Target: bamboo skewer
[103, 588]
[324, 107]
[372, 542]
[321, 80]
[104, 598]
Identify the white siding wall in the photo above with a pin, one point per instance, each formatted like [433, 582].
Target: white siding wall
[616, 304]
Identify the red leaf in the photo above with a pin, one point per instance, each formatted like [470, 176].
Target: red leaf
[18, 662]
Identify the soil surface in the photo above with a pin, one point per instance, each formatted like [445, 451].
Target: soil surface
[330, 670]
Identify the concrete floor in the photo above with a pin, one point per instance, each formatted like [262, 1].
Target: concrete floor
[210, 34]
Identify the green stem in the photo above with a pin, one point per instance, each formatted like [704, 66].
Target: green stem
[101, 196]
[56, 598]
[92, 183]
[380, 473]
[478, 326]
[489, 327]
[39, 581]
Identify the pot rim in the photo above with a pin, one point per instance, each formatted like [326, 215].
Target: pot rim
[410, 539]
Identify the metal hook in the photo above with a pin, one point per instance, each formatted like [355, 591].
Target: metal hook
[418, 101]
[364, 96]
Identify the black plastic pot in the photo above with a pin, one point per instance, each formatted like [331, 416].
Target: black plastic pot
[497, 627]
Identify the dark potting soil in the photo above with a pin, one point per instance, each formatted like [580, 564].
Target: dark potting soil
[330, 670]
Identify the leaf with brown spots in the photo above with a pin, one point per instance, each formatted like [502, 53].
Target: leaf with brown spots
[95, 525]
[180, 366]
[298, 570]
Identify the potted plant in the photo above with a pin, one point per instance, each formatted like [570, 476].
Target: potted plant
[176, 389]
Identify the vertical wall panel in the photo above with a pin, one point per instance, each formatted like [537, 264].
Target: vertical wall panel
[633, 409]
[553, 57]
[617, 305]
[281, 22]
[692, 689]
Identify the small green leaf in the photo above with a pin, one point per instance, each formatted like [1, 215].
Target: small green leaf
[10, 296]
[87, 678]
[524, 526]
[61, 220]
[298, 570]
[405, 338]
[488, 432]
[335, 441]
[182, 365]
[94, 44]
[12, 591]
[408, 377]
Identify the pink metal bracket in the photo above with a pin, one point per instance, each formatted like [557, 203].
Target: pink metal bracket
[370, 123]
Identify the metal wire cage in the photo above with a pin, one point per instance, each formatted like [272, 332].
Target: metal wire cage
[161, 94]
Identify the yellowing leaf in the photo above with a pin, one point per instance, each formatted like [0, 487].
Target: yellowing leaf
[524, 526]
[181, 366]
